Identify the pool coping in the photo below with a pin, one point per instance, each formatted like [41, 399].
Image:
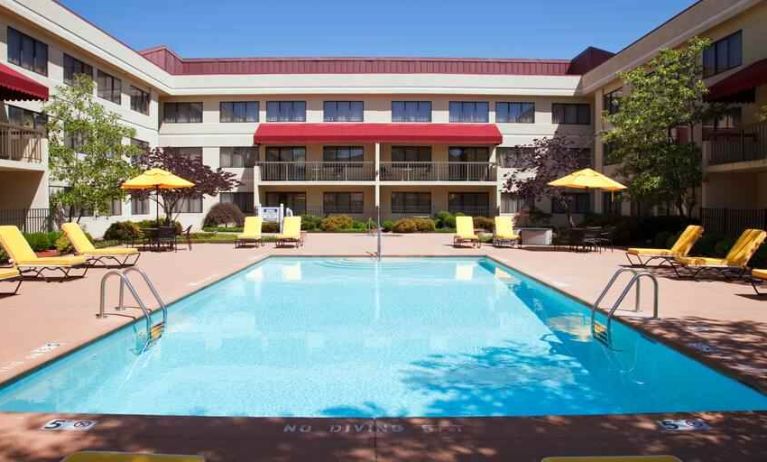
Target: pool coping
[717, 365]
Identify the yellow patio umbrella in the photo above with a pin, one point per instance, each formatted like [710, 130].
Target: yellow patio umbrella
[157, 179]
[588, 179]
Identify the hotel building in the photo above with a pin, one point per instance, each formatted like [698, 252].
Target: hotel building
[412, 136]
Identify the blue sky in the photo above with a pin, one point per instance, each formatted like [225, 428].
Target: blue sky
[461, 28]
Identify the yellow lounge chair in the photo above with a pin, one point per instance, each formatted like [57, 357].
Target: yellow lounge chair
[9, 275]
[758, 276]
[464, 232]
[107, 456]
[733, 264]
[123, 256]
[291, 232]
[250, 233]
[504, 232]
[27, 262]
[681, 248]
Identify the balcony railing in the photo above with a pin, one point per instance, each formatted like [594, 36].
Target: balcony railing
[317, 171]
[732, 222]
[748, 143]
[438, 171]
[20, 143]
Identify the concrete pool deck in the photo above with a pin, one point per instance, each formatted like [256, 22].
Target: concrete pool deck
[722, 323]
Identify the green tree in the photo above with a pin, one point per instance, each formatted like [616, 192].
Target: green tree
[86, 150]
[763, 114]
[663, 97]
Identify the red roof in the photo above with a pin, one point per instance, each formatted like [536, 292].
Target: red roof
[16, 86]
[465, 134]
[743, 80]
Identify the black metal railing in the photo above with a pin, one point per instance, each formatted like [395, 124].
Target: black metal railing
[732, 222]
[317, 171]
[438, 171]
[748, 143]
[38, 220]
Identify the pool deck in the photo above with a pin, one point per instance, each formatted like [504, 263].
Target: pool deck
[721, 323]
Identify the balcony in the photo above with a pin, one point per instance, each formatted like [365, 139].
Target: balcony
[747, 144]
[439, 171]
[317, 171]
[20, 143]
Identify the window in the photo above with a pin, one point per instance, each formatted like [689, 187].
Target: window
[411, 203]
[469, 111]
[109, 87]
[411, 153]
[295, 201]
[723, 54]
[116, 208]
[139, 100]
[342, 202]
[509, 157]
[579, 203]
[571, 114]
[728, 119]
[411, 111]
[343, 111]
[343, 154]
[285, 154]
[74, 141]
[189, 205]
[609, 156]
[27, 52]
[73, 67]
[238, 111]
[469, 203]
[468, 154]
[611, 203]
[511, 203]
[238, 157]
[243, 200]
[139, 205]
[286, 111]
[611, 101]
[194, 154]
[141, 144]
[182, 113]
[26, 118]
[515, 113]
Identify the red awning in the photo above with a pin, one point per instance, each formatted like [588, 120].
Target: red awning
[466, 134]
[744, 80]
[16, 86]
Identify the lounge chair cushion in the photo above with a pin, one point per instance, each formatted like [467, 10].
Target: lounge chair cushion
[702, 261]
[291, 229]
[77, 237]
[252, 229]
[111, 251]
[759, 274]
[70, 260]
[653, 252]
[507, 237]
[9, 273]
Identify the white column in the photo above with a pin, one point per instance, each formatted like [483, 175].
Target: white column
[377, 175]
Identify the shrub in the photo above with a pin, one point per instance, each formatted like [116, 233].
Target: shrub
[424, 225]
[270, 227]
[723, 246]
[39, 241]
[706, 244]
[63, 245]
[405, 225]
[224, 213]
[310, 222]
[445, 219]
[362, 225]
[153, 224]
[486, 223]
[387, 225]
[336, 223]
[661, 239]
[123, 231]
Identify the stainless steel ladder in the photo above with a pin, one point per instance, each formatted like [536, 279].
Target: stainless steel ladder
[602, 331]
[153, 331]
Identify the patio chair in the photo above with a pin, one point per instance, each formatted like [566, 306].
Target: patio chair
[734, 264]
[464, 232]
[11, 274]
[504, 232]
[681, 248]
[291, 232]
[18, 249]
[250, 233]
[122, 256]
[758, 276]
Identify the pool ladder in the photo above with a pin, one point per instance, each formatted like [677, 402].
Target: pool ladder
[153, 331]
[602, 331]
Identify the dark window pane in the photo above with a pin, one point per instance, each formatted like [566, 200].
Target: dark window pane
[411, 203]
[139, 100]
[27, 52]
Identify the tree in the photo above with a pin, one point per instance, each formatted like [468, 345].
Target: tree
[86, 150]
[665, 97]
[763, 114]
[545, 160]
[207, 182]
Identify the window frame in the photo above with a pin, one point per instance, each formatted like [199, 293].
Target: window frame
[39, 119]
[111, 92]
[287, 203]
[351, 207]
[611, 101]
[140, 99]
[557, 207]
[711, 55]
[166, 112]
[404, 208]
[453, 208]
[404, 116]
[38, 63]
[520, 119]
[249, 159]
[419, 151]
[232, 112]
[565, 110]
[459, 118]
[74, 63]
[331, 112]
[139, 206]
[189, 205]
[335, 150]
[278, 117]
[245, 205]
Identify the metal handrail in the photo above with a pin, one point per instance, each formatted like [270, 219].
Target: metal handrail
[152, 288]
[635, 280]
[124, 282]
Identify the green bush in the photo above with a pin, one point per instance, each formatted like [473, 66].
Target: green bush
[425, 225]
[153, 224]
[224, 213]
[270, 227]
[661, 239]
[722, 247]
[123, 231]
[486, 223]
[405, 225]
[336, 223]
[310, 222]
[223, 229]
[387, 225]
[706, 244]
[41, 241]
[444, 219]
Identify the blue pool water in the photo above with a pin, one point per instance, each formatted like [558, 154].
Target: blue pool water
[349, 337]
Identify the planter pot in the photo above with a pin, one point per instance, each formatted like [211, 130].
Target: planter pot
[48, 253]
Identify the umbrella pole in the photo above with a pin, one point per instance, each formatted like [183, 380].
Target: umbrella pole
[157, 207]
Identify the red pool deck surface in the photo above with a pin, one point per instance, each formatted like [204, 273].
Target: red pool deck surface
[725, 319]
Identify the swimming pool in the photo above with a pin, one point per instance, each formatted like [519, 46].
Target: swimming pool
[343, 337]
